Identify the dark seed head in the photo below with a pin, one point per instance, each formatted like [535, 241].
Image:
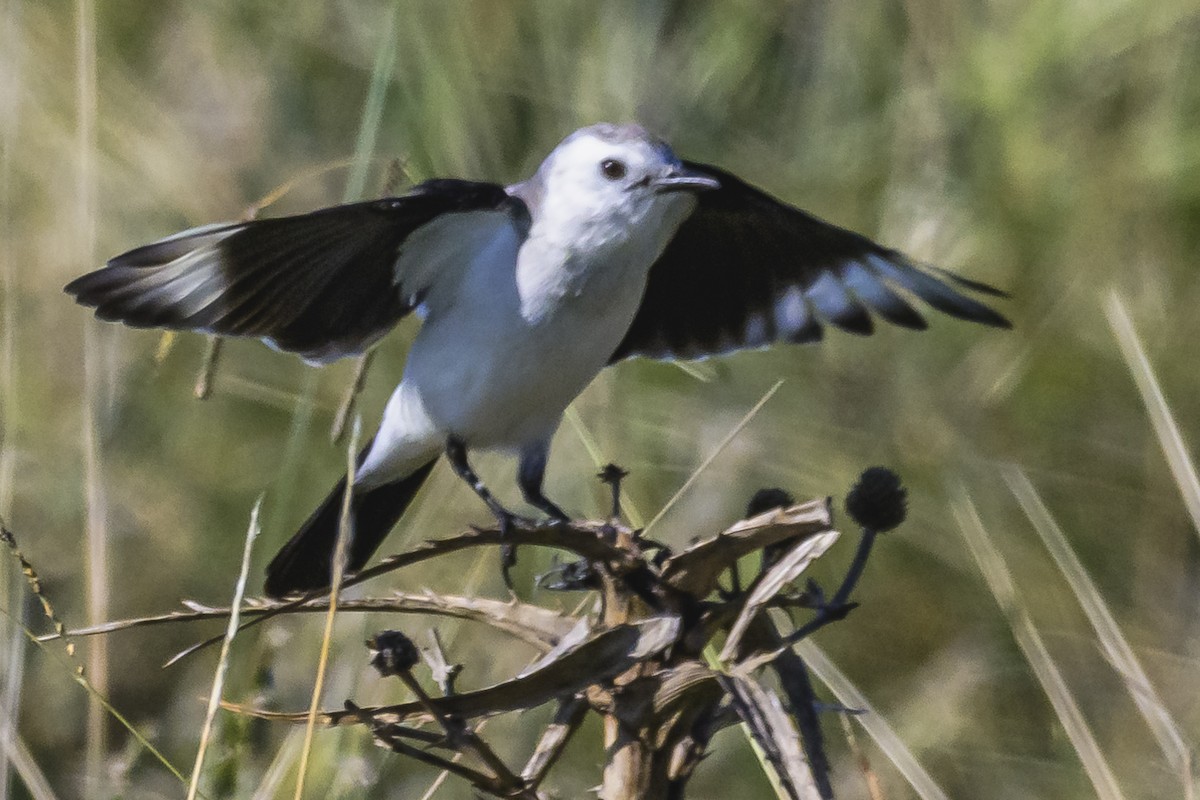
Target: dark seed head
[877, 502]
[765, 500]
[768, 500]
[392, 653]
[611, 474]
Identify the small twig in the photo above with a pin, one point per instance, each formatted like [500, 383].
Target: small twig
[840, 606]
[874, 789]
[218, 684]
[404, 731]
[350, 398]
[461, 735]
[444, 673]
[388, 737]
[208, 368]
[539, 627]
[396, 655]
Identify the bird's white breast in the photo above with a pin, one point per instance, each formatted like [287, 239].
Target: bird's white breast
[528, 324]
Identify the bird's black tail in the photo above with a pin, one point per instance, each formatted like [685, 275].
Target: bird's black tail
[305, 562]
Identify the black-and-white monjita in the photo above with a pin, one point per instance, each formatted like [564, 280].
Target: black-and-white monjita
[615, 248]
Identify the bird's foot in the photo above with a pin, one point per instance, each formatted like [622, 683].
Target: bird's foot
[555, 516]
[507, 521]
[572, 576]
[559, 520]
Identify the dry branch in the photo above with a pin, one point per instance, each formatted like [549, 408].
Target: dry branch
[602, 656]
[643, 659]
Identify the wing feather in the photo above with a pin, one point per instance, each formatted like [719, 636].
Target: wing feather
[745, 270]
[323, 284]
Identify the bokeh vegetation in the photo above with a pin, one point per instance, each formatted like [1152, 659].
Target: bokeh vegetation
[1051, 148]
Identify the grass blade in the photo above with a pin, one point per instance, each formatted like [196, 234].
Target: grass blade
[1165, 427]
[214, 696]
[74, 670]
[876, 726]
[96, 548]
[16, 753]
[1170, 738]
[729, 437]
[995, 572]
[341, 553]
[368, 129]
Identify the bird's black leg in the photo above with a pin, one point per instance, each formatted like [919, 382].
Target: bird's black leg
[456, 454]
[530, 472]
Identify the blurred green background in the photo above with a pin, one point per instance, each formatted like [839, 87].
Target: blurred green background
[1050, 148]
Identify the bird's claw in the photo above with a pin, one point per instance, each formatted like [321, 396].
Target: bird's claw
[506, 522]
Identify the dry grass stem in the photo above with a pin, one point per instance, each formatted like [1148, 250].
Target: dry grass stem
[883, 734]
[1165, 426]
[214, 696]
[340, 557]
[704, 465]
[1171, 740]
[999, 581]
[15, 752]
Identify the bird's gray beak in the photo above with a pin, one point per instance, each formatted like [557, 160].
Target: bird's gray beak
[682, 179]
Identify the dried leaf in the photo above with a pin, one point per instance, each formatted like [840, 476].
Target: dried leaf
[772, 728]
[575, 637]
[783, 573]
[695, 570]
[762, 636]
[679, 685]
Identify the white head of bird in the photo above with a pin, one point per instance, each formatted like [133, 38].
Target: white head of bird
[607, 184]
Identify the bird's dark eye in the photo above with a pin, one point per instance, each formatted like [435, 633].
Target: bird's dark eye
[613, 169]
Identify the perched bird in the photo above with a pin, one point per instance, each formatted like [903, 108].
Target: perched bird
[614, 248]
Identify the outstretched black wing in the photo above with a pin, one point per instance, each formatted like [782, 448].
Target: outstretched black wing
[323, 284]
[745, 270]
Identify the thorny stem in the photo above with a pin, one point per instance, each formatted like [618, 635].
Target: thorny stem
[582, 539]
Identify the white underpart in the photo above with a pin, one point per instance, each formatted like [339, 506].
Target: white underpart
[517, 326]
